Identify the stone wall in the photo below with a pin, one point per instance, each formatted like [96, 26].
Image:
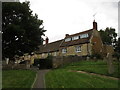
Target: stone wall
[13, 65]
[61, 60]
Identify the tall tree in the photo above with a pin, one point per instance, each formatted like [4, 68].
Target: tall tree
[22, 30]
[108, 36]
[117, 48]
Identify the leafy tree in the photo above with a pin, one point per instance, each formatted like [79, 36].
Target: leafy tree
[117, 49]
[22, 30]
[108, 36]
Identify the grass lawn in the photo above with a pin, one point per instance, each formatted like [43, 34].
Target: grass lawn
[99, 67]
[63, 78]
[17, 78]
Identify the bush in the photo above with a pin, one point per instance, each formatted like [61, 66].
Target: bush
[98, 56]
[116, 55]
[36, 62]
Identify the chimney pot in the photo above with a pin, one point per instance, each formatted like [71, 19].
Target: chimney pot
[47, 40]
[66, 35]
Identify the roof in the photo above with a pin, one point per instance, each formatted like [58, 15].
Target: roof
[50, 47]
[54, 46]
[78, 41]
[75, 42]
[87, 31]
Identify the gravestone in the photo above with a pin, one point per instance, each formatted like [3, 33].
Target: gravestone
[110, 63]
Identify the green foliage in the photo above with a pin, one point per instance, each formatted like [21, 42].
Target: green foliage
[108, 36]
[17, 78]
[22, 30]
[116, 55]
[98, 56]
[117, 48]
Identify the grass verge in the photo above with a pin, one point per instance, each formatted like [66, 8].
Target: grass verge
[17, 78]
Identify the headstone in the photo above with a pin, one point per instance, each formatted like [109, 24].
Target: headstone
[110, 63]
[88, 58]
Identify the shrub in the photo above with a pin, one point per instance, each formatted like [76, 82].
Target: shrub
[116, 55]
[98, 56]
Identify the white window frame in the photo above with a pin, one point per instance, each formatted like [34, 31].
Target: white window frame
[78, 48]
[64, 50]
[84, 35]
[67, 39]
[75, 37]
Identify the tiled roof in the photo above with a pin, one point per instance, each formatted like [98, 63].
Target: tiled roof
[50, 47]
[87, 31]
[78, 41]
[75, 42]
[54, 46]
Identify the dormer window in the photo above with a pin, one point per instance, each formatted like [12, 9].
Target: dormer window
[67, 39]
[84, 36]
[75, 37]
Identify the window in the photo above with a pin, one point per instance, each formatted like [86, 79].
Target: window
[64, 50]
[55, 53]
[43, 54]
[78, 48]
[75, 37]
[84, 36]
[67, 39]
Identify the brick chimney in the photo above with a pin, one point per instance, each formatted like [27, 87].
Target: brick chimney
[47, 40]
[94, 25]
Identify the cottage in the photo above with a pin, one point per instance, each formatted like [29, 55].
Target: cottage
[81, 44]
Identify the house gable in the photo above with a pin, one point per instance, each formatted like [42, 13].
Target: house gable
[96, 43]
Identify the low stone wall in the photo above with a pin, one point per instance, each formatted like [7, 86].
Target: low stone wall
[61, 60]
[11, 67]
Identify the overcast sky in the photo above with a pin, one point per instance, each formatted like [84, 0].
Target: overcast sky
[72, 16]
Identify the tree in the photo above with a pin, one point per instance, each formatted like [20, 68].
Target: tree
[22, 30]
[117, 49]
[108, 36]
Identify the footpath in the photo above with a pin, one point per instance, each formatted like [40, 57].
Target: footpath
[40, 79]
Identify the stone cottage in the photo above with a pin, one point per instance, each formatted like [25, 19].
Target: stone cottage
[81, 44]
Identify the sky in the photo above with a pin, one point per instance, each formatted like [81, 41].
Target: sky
[62, 17]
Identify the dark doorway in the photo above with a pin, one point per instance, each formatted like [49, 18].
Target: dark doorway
[43, 63]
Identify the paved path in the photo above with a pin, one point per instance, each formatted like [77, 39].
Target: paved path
[40, 79]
